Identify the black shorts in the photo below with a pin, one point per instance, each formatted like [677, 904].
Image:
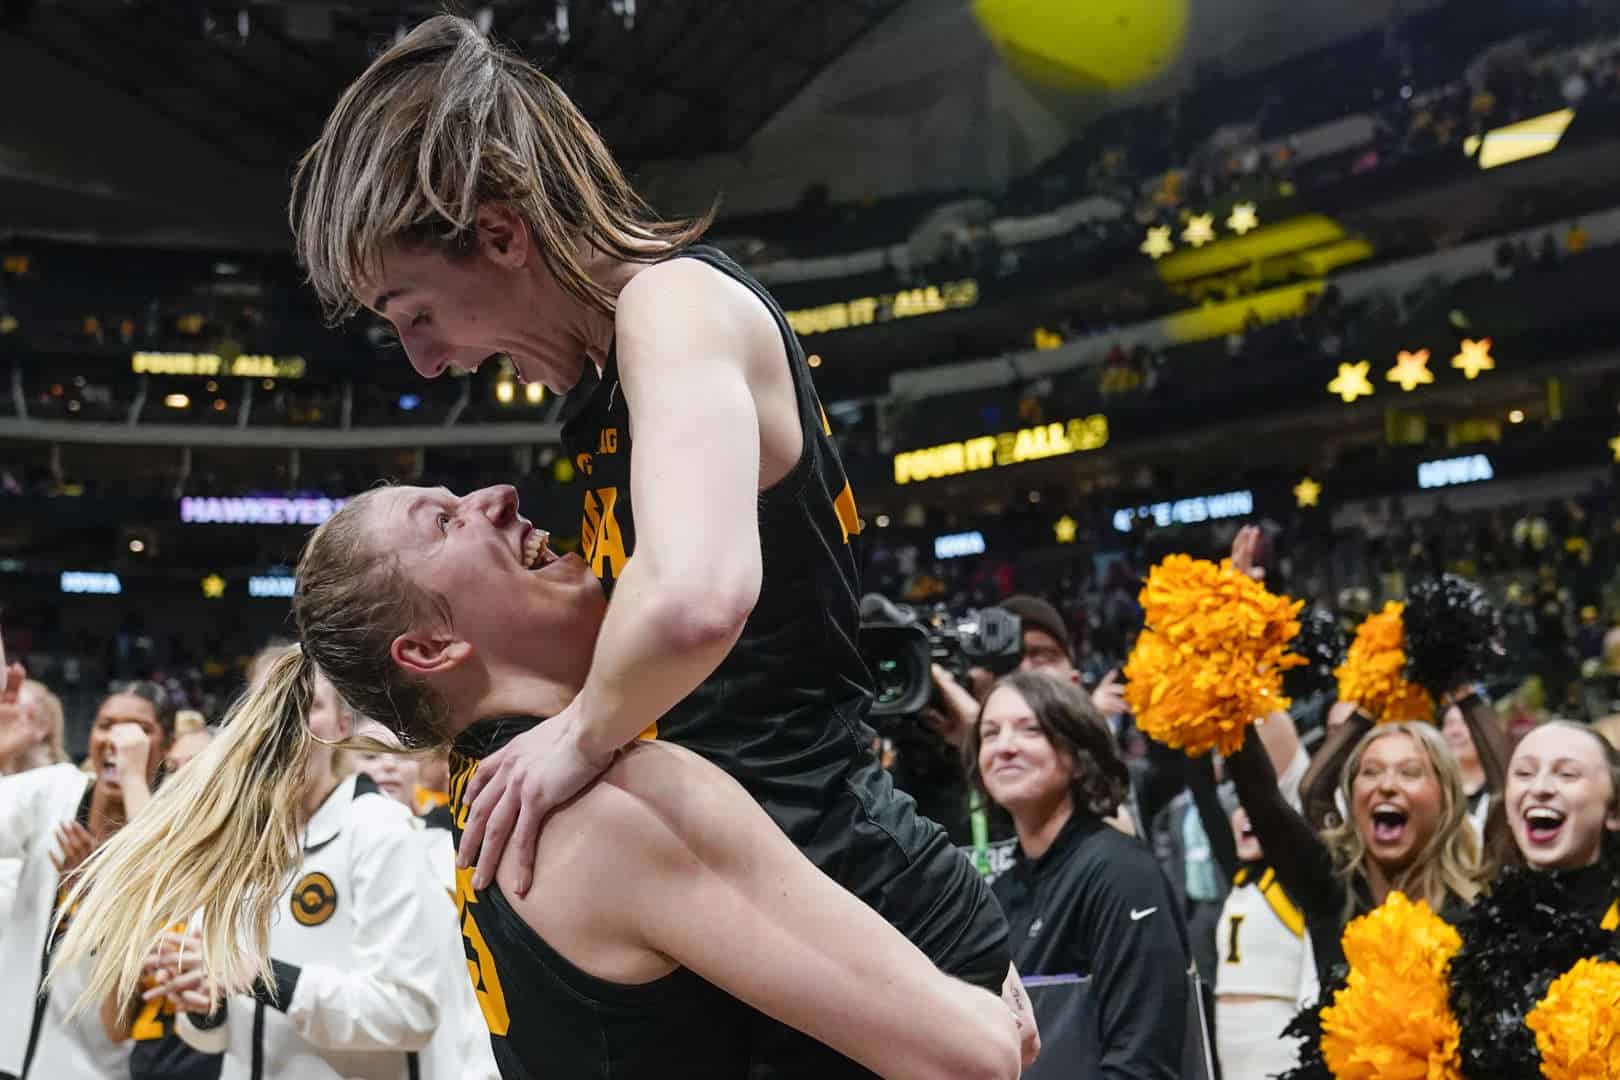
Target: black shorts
[872, 842]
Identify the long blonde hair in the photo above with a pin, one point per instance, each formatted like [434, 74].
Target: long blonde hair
[221, 837]
[1449, 863]
[444, 121]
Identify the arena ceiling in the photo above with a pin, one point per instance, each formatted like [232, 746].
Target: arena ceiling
[251, 81]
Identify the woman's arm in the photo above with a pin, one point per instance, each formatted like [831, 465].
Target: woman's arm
[1317, 790]
[681, 600]
[1291, 846]
[1217, 826]
[385, 992]
[711, 883]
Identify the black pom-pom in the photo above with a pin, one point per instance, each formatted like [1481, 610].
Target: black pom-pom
[1322, 641]
[1516, 940]
[1307, 1027]
[1453, 634]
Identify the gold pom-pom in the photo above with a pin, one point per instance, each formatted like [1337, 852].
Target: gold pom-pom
[1373, 674]
[1393, 1019]
[1212, 657]
[1577, 1024]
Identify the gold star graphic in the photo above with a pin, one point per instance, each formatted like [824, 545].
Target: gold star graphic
[1307, 493]
[1411, 370]
[1200, 229]
[1474, 358]
[1157, 245]
[1614, 445]
[213, 586]
[1352, 382]
[1243, 218]
[1065, 528]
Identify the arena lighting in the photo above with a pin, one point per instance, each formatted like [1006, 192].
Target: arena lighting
[1307, 493]
[1411, 370]
[1007, 448]
[91, 583]
[1200, 230]
[1158, 243]
[905, 304]
[213, 587]
[1515, 142]
[1614, 447]
[177, 401]
[1191, 511]
[1516, 416]
[271, 585]
[958, 545]
[137, 546]
[505, 390]
[1065, 529]
[1450, 472]
[1351, 382]
[254, 510]
[534, 393]
[1474, 357]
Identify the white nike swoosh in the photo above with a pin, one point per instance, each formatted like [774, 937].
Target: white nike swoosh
[1138, 916]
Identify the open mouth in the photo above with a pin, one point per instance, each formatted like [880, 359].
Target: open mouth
[1542, 824]
[107, 770]
[1246, 833]
[536, 553]
[1389, 823]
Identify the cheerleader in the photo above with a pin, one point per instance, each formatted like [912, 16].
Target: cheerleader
[366, 979]
[1264, 970]
[51, 818]
[1554, 901]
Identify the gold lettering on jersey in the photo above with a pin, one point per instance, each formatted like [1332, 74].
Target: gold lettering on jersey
[458, 791]
[148, 1025]
[583, 463]
[849, 521]
[609, 443]
[1006, 448]
[486, 980]
[599, 533]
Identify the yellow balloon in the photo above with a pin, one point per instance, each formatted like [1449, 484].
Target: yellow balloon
[1081, 46]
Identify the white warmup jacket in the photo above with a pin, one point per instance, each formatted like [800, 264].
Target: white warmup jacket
[379, 962]
[34, 1034]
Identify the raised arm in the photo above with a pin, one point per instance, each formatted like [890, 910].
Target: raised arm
[682, 598]
[1217, 826]
[1291, 846]
[716, 887]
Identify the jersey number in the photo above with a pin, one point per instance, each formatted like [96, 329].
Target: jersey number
[148, 1024]
[1233, 955]
[480, 965]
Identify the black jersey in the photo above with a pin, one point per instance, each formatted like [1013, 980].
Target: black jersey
[546, 1017]
[160, 1053]
[784, 712]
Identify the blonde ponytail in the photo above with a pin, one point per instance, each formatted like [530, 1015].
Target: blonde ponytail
[220, 838]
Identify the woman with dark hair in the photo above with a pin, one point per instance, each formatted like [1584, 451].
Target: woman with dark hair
[457, 193]
[1082, 898]
[51, 819]
[448, 620]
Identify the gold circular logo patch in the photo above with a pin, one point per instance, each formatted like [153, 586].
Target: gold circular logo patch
[314, 899]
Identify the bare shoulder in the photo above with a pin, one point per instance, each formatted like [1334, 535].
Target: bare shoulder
[691, 296]
[660, 802]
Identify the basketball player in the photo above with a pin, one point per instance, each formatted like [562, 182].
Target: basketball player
[457, 193]
[669, 897]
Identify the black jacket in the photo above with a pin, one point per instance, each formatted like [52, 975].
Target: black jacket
[1097, 904]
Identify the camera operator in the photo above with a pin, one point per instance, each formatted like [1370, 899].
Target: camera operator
[1047, 649]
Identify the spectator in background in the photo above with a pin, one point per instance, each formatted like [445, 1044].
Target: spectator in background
[33, 739]
[395, 775]
[1081, 897]
[1475, 785]
[1576, 240]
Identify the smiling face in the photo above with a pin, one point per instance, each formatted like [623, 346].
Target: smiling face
[1559, 798]
[455, 311]
[508, 596]
[1395, 800]
[1023, 772]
